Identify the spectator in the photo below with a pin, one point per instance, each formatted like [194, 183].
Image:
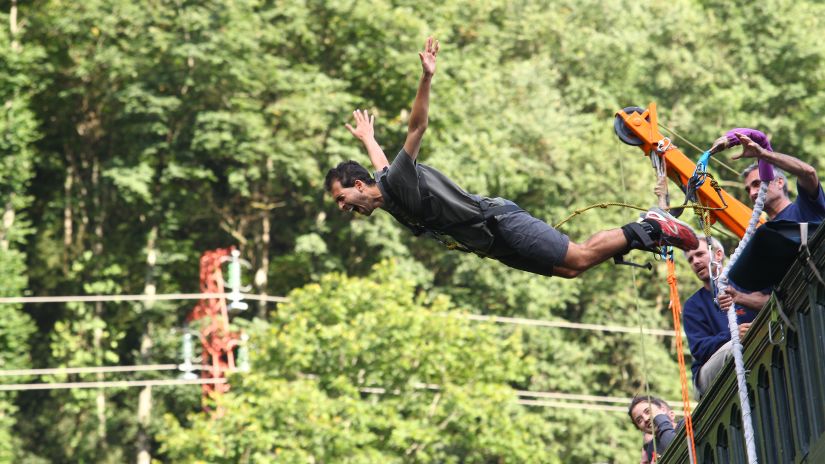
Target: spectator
[651, 416]
[705, 324]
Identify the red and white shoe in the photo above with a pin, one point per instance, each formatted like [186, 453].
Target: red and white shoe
[674, 232]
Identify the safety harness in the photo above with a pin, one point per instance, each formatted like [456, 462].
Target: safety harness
[429, 226]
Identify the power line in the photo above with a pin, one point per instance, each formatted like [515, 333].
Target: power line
[281, 299]
[521, 393]
[108, 384]
[564, 324]
[110, 369]
[563, 405]
[569, 400]
[371, 390]
[140, 297]
[89, 370]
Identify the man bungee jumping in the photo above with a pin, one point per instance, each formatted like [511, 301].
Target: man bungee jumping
[427, 202]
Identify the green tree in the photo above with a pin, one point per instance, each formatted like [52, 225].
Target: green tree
[362, 370]
[18, 132]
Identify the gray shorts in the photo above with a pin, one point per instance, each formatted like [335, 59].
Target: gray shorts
[529, 244]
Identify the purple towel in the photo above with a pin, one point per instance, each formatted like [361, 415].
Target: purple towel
[755, 135]
[765, 169]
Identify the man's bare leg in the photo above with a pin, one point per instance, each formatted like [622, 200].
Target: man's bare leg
[657, 229]
[597, 249]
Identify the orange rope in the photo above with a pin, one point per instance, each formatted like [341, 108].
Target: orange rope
[676, 309]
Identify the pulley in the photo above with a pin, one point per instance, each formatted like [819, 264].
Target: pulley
[625, 134]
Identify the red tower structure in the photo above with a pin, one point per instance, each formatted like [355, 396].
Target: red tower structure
[217, 338]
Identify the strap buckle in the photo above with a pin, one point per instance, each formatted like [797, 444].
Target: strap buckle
[619, 259]
[806, 252]
[779, 310]
[771, 325]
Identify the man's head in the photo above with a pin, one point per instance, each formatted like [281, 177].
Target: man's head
[353, 188]
[777, 189]
[699, 259]
[643, 409]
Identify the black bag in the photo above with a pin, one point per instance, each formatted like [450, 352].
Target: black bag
[768, 256]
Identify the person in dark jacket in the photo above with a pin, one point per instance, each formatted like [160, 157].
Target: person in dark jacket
[654, 417]
[428, 202]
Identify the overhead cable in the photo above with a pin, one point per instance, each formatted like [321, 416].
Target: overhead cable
[108, 384]
[281, 299]
[139, 297]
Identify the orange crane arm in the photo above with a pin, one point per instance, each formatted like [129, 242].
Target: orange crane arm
[640, 127]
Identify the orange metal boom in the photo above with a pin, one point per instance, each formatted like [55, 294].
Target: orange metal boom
[680, 168]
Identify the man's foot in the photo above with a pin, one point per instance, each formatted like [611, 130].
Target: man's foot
[673, 231]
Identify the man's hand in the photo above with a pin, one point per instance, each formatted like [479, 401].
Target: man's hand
[655, 410]
[724, 300]
[720, 144]
[735, 295]
[750, 149]
[365, 132]
[743, 328]
[660, 190]
[428, 56]
[364, 123]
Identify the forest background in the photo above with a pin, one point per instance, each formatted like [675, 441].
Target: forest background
[137, 135]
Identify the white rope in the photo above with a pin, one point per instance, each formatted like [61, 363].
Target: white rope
[109, 384]
[736, 344]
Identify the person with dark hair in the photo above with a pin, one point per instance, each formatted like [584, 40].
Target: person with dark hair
[652, 416]
[809, 205]
[428, 202]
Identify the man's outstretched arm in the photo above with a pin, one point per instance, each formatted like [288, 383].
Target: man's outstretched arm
[421, 105]
[365, 132]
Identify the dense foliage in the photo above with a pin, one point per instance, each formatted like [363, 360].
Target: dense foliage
[136, 135]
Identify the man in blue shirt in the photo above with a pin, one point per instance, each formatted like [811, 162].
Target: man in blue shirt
[706, 325]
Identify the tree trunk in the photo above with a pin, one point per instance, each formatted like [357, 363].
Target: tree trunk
[261, 276]
[82, 208]
[145, 399]
[144, 405]
[8, 222]
[97, 342]
[67, 215]
[15, 45]
[8, 213]
[262, 273]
